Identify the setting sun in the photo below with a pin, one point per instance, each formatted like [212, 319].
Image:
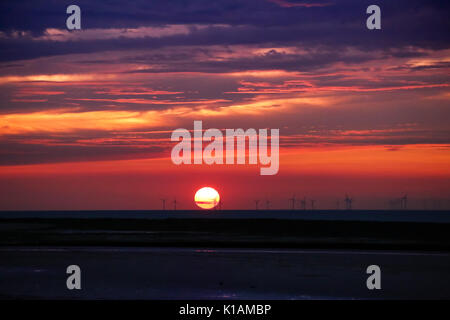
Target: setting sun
[207, 198]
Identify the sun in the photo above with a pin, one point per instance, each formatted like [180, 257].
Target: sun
[207, 198]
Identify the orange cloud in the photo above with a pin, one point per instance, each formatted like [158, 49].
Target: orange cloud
[46, 121]
[69, 120]
[56, 78]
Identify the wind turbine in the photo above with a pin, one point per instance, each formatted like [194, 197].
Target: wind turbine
[303, 203]
[256, 204]
[312, 204]
[348, 202]
[267, 204]
[175, 204]
[293, 201]
[163, 204]
[404, 201]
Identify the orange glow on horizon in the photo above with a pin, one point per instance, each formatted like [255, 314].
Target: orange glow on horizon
[407, 160]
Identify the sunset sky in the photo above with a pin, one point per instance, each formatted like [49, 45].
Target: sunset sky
[86, 116]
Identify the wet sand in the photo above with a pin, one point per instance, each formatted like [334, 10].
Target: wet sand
[225, 255]
[212, 273]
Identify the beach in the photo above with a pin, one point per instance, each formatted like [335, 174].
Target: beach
[225, 255]
[211, 273]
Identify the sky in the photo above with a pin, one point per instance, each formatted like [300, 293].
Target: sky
[86, 115]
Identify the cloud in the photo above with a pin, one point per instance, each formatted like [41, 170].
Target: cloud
[111, 26]
[66, 121]
[310, 68]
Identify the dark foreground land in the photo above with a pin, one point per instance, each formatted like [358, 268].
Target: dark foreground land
[242, 229]
[225, 255]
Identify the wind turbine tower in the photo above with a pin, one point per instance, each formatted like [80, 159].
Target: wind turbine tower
[175, 204]
[163, 204]
[348, 202]
[303, 203]
[404, 201]
[293, 201]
